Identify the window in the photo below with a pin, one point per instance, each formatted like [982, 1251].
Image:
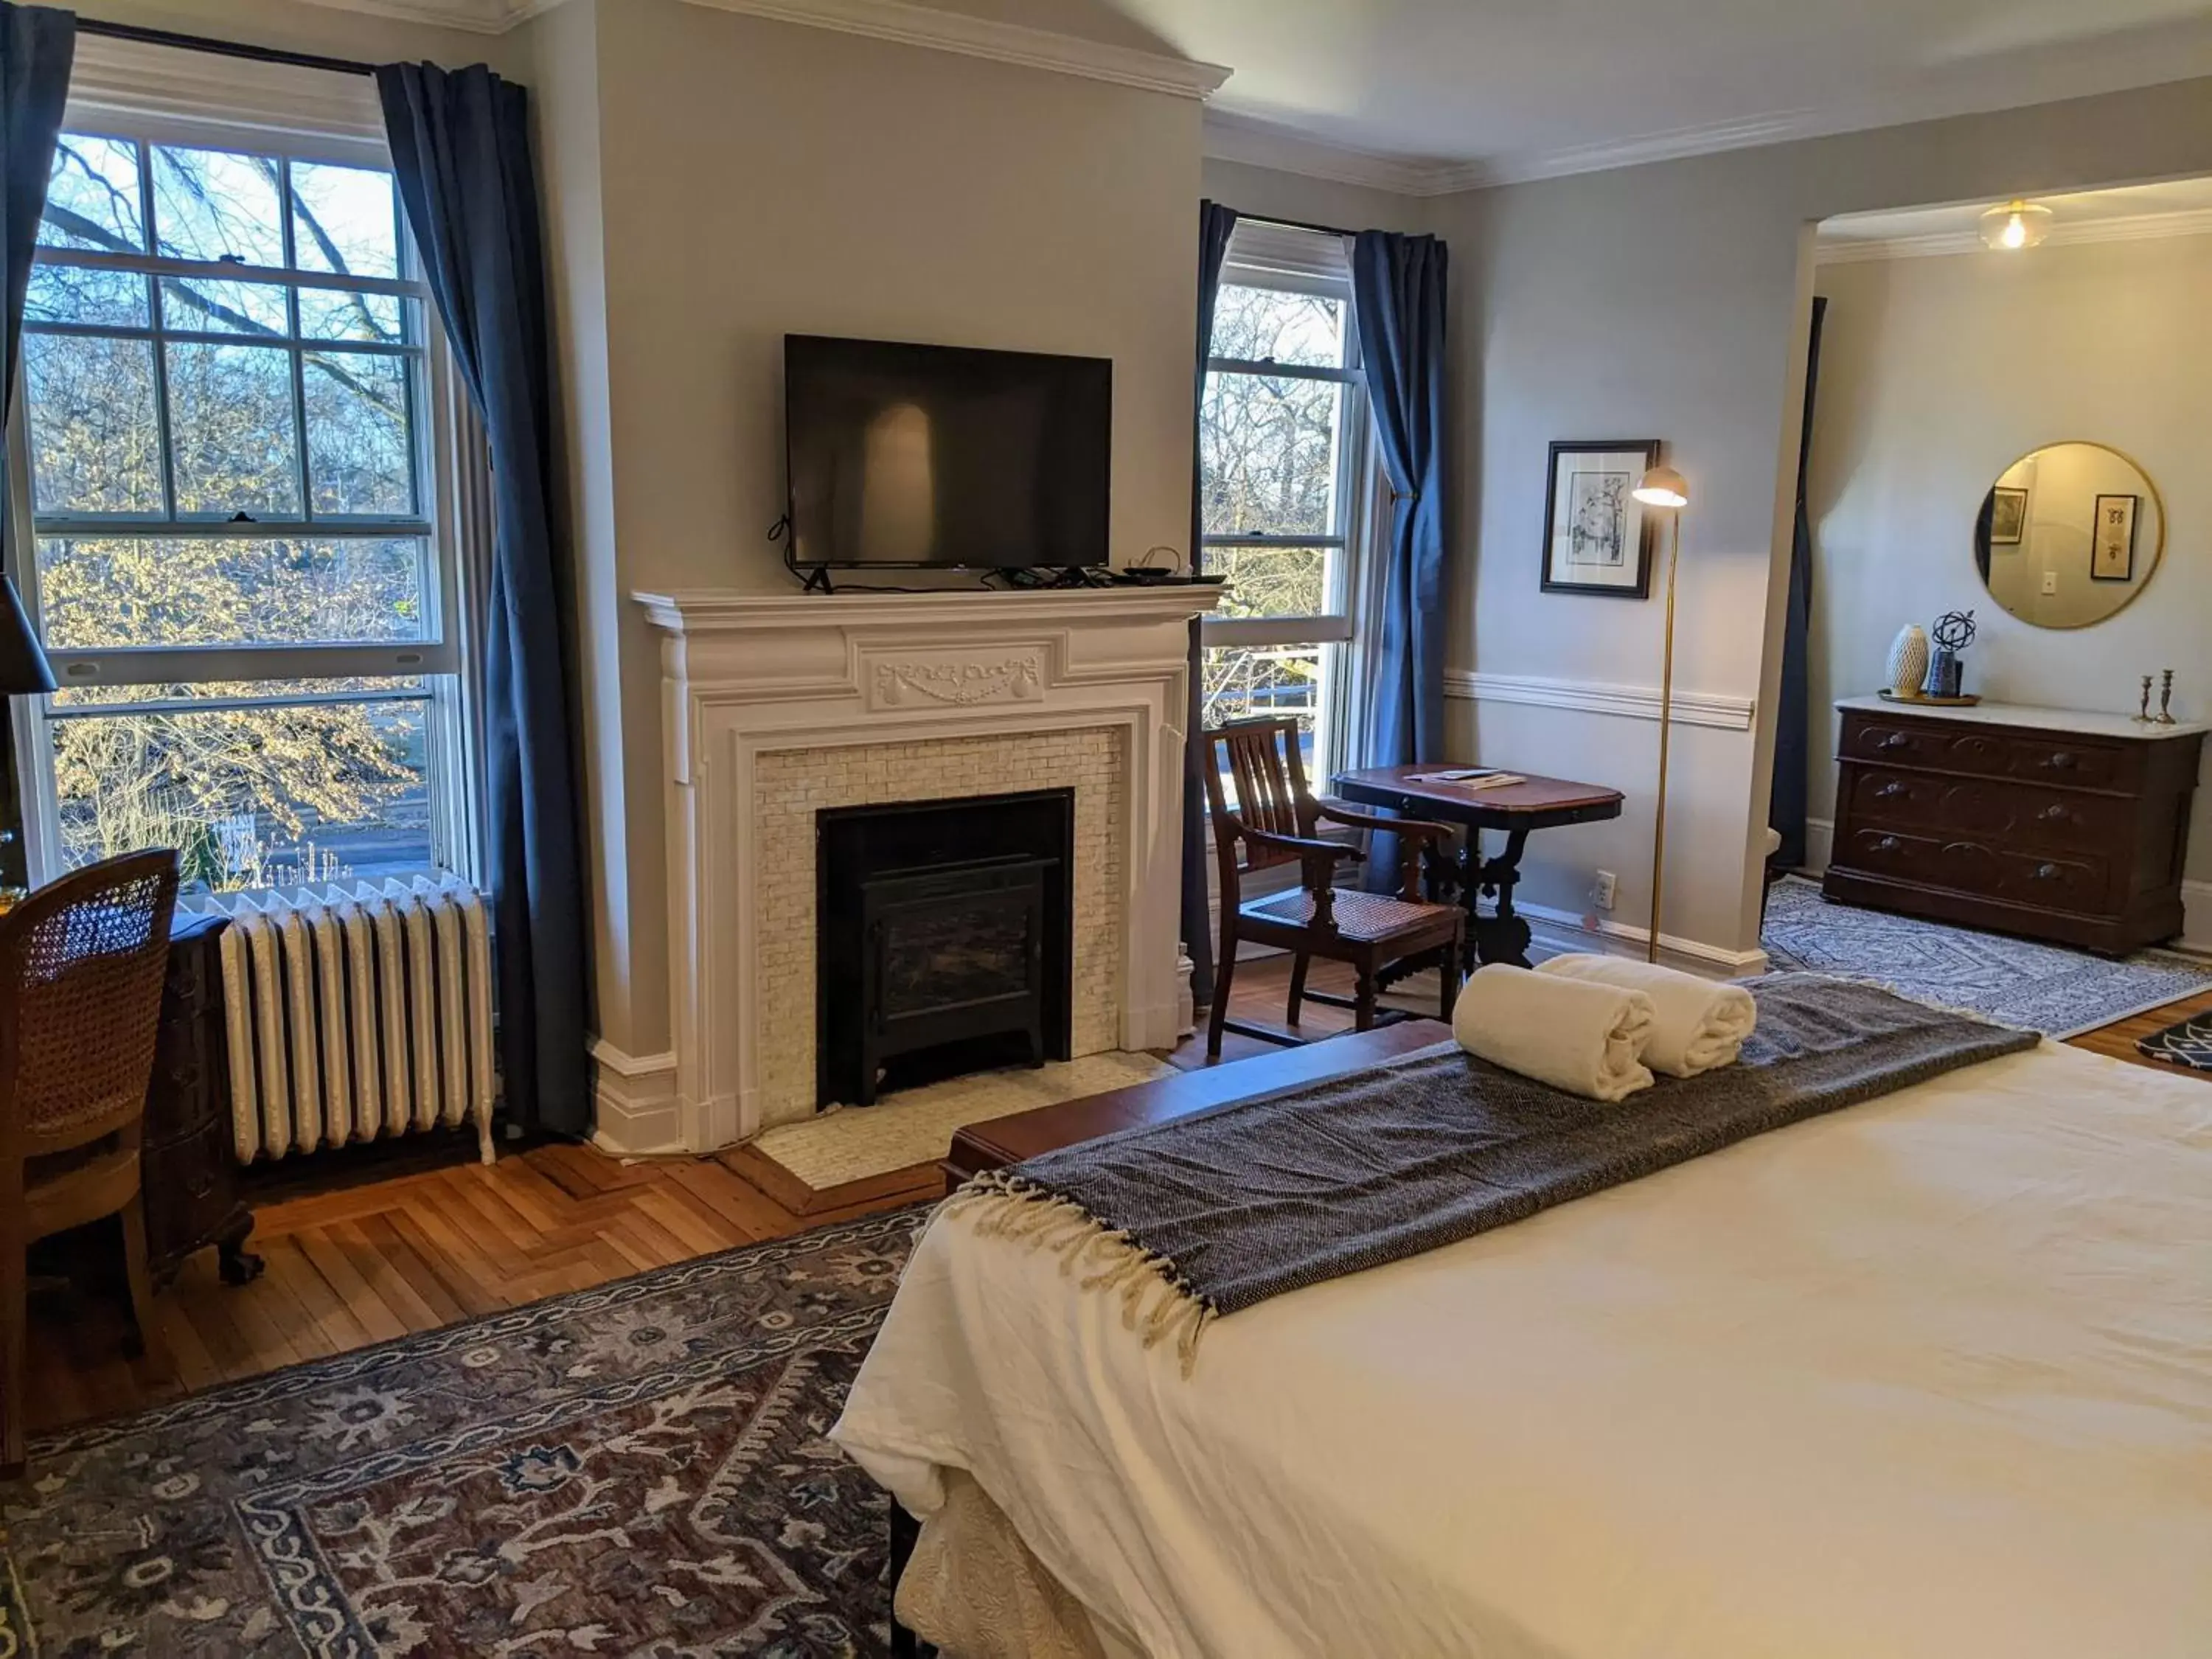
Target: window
[1283, 461]
[228, 511]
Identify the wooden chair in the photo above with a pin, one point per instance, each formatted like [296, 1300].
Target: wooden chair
[81, 963]
[1275, 821]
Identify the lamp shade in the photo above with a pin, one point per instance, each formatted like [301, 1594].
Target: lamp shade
[23, 667]
[1663, 487]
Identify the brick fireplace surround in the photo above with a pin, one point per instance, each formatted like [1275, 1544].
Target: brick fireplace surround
[779, 705]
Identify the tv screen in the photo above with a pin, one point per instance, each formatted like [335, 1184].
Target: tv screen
[940, 455]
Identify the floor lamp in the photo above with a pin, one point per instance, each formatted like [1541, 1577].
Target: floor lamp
[1663, 487]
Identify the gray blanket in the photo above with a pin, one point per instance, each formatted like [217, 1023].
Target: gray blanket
[1223, 1210]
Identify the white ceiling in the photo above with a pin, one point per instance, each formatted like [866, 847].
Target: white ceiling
[1521, 88]
[1428, 96]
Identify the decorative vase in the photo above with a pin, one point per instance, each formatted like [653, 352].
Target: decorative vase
[1908, 660]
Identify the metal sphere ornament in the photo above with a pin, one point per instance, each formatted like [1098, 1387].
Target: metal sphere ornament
[1954, 630]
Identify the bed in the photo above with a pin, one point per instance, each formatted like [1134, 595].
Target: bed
[1926, 1378]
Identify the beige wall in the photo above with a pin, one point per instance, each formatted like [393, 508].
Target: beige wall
[1267, 194]
[1671, 302]
[1935, 375]
[749, 179]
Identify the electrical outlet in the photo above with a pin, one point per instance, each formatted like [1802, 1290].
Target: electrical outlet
[1601, 891]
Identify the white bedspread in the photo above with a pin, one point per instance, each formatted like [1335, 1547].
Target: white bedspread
[1930, 1378]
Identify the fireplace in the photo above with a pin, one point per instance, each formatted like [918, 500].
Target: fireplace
[943, 940]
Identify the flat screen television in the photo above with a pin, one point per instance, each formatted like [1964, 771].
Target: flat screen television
[920, 455]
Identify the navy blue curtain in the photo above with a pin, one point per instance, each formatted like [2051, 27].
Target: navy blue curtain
[1215, 222]
[1398, 285]
[460, 146]
[1785, 807]
[37, 46]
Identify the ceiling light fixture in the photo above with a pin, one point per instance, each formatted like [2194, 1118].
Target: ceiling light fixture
[2016, 225]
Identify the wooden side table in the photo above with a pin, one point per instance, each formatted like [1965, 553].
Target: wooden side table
[188, 1167]
[1518, 809]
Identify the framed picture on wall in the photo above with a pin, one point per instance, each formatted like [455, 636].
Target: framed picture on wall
[1597, 536]
[2112, 547]
[2008, 516]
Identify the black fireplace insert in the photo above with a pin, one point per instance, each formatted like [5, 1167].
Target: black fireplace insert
[943, 940]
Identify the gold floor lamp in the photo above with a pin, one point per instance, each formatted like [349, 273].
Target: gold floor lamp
[1664, 487]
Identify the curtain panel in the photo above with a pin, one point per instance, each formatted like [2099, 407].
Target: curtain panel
[460, 146]
[1793, 736]
[1215, 224]
[1398, 288]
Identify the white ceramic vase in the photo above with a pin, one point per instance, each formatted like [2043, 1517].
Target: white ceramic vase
[1908, 660]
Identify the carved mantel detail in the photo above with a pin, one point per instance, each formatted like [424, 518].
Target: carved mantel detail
[746, 675]
[960, 682]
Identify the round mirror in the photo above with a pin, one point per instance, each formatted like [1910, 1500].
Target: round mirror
[2068, 535]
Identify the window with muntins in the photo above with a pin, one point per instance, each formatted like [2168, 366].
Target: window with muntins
[227, 517]
[1282, 469]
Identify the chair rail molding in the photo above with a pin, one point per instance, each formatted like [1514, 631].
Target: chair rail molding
[1712, 708]
[745, 674]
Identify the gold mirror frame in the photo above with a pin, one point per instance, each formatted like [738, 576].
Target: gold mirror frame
[2158, 553]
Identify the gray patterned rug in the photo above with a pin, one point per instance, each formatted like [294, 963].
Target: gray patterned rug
[640, 1469]
[2043, 987]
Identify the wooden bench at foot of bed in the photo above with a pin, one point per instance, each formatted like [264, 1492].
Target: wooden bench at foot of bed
[1004, 1140]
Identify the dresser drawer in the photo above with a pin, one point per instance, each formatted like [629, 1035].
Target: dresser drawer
[2057, 882]
[1893, 800]
[2073, 763]
[1920, 743]
[190, 1081]
[192, 1190]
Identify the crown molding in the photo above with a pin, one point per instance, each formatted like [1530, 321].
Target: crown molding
[2132, 227]
[471, 16]
[901, 20]
[1251, 143]
[983, 37]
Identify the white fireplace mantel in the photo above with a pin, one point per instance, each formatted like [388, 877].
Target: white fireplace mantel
[746, 673]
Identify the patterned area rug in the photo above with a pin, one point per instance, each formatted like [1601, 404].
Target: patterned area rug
[917, 1126]
[2188, 1043]
[2039, 987]
[637, 1470]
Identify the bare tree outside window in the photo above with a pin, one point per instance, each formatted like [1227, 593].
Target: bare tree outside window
[1272, 438]
[224, 439]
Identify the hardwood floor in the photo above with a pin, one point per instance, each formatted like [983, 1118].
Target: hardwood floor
[384, 1255]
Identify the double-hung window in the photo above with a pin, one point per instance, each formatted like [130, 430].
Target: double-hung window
[1284, 481]
[231, 493]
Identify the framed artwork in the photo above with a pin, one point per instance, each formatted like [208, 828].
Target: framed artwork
[1597, 536]
[2113, 546]
[2008, 516]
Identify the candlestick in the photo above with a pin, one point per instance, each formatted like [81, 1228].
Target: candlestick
[2143, 714]
[2166, 700]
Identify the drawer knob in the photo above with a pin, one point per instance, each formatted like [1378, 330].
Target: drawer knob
[2060, 761]
[1887, 844]
[2046, 873]
[1896, 740]
[1889, 791]
[2056, 813]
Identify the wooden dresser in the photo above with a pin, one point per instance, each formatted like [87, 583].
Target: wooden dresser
[189, 1170]
[2052, 823]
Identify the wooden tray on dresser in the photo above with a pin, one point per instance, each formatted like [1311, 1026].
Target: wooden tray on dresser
[2065, 827]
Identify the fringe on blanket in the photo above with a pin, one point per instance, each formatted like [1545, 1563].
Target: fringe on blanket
[1156, 1300]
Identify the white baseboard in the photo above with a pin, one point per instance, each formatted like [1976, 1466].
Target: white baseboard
[1566, 930]
[1820, 845]
[2197, 916]
[638, 1112]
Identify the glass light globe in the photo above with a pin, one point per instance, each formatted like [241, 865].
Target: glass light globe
[2014, 226]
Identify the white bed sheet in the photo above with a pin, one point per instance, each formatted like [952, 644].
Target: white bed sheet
[1925, 1379]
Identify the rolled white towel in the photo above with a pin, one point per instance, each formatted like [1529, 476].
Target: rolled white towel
[1572, 1034]
[1699, 1023]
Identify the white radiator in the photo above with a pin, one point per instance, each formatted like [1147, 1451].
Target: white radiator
[357, 1011]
